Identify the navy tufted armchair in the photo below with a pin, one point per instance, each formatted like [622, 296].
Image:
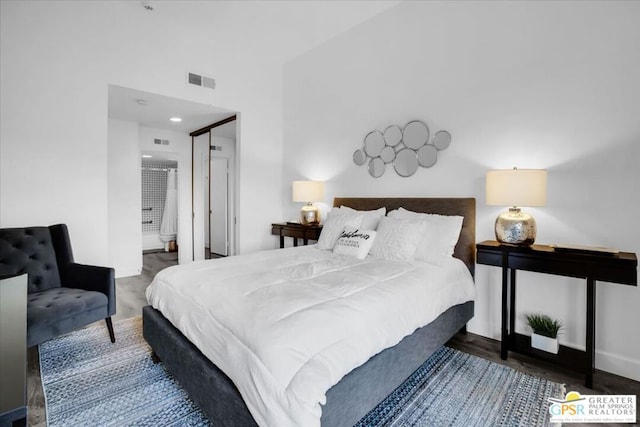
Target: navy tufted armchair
[62, 295]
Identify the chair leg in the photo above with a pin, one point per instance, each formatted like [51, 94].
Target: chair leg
[110, 328]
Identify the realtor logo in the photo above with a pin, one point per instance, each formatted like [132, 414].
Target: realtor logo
[576, 408]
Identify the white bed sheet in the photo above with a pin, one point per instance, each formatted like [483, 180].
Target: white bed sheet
[286, 325]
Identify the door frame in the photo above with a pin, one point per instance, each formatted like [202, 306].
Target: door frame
[193, 135]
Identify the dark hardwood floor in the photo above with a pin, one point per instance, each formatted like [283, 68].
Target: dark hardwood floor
[130, 291]
[131, 298]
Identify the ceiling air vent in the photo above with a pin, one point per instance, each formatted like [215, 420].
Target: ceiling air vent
[161, 141]
[198, 80]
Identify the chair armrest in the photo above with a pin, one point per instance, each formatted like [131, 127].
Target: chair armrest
[91, 278]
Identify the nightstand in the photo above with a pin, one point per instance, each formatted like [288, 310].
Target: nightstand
[615, 268]
[296, 231]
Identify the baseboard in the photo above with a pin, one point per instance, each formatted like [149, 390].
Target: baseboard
[613, 363]
[605, 361]
[618, 365]
[127, 273]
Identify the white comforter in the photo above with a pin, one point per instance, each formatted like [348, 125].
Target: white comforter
[286, 325]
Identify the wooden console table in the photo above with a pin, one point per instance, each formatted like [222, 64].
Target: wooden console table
[618, 268]
[297, 231]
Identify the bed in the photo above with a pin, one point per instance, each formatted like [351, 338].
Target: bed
[361, 389]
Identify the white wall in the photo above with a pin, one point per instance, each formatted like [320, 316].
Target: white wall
[126, 142]
[530, 84]
[124, 201]
[57, 60]
[536, 84]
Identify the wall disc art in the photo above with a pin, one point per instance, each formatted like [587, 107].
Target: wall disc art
[405, 148]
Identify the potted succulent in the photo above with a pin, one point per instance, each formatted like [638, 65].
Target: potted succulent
[545, 332]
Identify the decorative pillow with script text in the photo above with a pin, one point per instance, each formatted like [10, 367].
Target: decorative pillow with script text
[354, 242]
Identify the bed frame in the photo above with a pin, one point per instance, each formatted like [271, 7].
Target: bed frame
[357, 392]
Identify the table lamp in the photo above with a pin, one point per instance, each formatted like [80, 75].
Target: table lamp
[515, 188]
[308, 192]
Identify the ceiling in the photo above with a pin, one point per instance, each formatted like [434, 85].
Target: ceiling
[153, 110]
[282, 29]
[286, 28]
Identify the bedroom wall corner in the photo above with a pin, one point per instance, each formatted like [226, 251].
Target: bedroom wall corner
[527, 84]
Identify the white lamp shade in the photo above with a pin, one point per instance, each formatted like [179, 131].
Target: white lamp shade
[517, 187]
[308, 191]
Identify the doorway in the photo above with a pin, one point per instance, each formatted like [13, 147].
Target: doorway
[219, 206]
[139, 122]
[159, 201]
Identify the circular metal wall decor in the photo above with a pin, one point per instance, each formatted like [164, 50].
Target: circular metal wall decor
[406, 162]
[427, 156]
[376, 167]
[388, 154]
[415, 134]
[406, 148]
[392, 135]
[359, 157]
[442, 140]
[373, 143]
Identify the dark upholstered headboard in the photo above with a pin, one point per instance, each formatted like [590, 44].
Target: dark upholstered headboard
[466, 207]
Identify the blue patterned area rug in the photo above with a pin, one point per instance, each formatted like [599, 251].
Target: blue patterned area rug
[89, 381]
[453, 388]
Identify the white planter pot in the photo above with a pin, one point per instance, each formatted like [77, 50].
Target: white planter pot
[543, 343]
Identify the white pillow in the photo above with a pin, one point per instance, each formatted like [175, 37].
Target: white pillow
[334, 224]
[397, 239]
[354, 242]
[441, 235]
[371, 218]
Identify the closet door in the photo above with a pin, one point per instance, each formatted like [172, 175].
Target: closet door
[200, 190]
[219, 198]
